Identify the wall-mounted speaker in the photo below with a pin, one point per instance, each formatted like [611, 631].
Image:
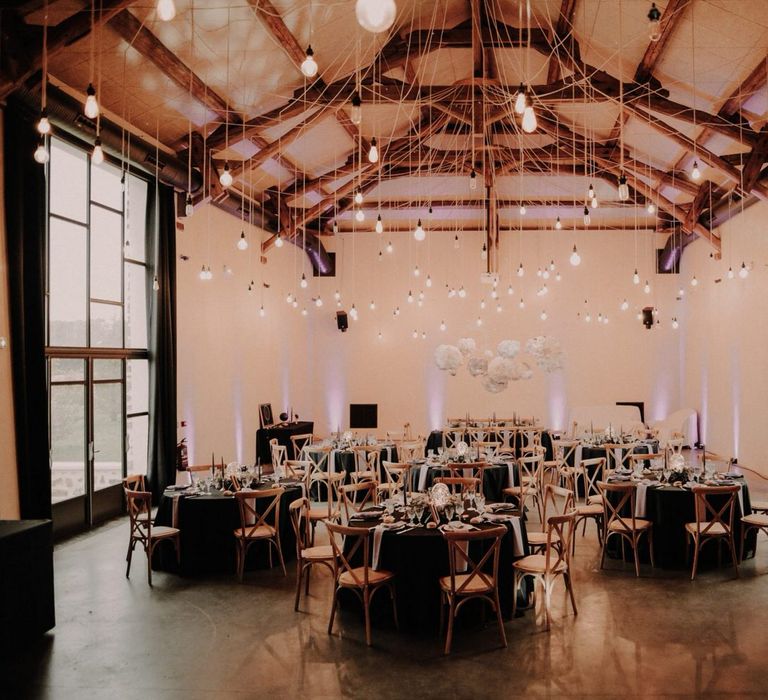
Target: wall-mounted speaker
[342, 322]
[648, 317]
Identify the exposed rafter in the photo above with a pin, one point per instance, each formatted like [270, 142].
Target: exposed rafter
[668, 23]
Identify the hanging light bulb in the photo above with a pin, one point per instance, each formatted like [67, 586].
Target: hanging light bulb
[558, 224]
[623, 188]
[376, 16]
[97, 155]
[587, 217]
[551, 264]
[654, 23]
[694, 281]
[462, 292]
[479, 321]
[429, 281]
[695, 172]
[588, 317]
[494, 294]
[421, 295]
[208, 273]
[482, 303]
[730, 273]
[558, 277]
[575, 258]
[522, 303]
[318, 301]
[201, 274]
[545, 273]
[744, 271]
[304, 311]
[499, 308]
[372, 305]
[43, 125]
[91, 109]
[451, 293]
[456, 244]
[379, 224]
[675, 324]
[373, 153]
[356, 112]
[279, 241]
[594, 203]
[226, 176]
[600, 317]
[591, 192]
[41, 152]
[538, 272]
[529, 123]
[484, 252]
[635, 278]
[473, 180]
[335, 227]
[415, 334]
[624, 305]
[681, 292]
[189, 209]
[651, 208]
[360, 216]
[442, 325]
[605, 320]
[543, 316]
[262, 313]
[289, 298]
[639, 315]
[353, 313]
[418, 232]
[303, 283]
[359, 197]
[389, 248]
[647, 287]
[520, 270]
[166, 10]
[242, 244]
[309, 66]
[410, 297]
[510, 291]
[295, 303]
[416, 271]
[522, 210]
[520, 100]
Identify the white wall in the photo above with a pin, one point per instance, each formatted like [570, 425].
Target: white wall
[230, 359]
[726, 340]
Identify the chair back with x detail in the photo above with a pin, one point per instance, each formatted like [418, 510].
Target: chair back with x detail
[142, 531]
[258, 524]
[714, 508]
[460, 484]
[471, 576]
[306, 554]
[299, 442]
[355, 497]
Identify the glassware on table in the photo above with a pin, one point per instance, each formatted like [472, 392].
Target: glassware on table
[410, 514]
[418, 510]
[449, 509]
[389, 505]
[459, 507]
[480, 503]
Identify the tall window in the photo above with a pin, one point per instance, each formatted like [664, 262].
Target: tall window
[97, 323]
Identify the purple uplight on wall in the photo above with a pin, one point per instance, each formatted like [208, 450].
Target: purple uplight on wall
[704, 407]
[557, 400]
[237, 406]
[435, 397]
[189, 431]
[736, 398]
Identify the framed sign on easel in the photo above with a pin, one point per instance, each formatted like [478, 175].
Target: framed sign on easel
[266, 420]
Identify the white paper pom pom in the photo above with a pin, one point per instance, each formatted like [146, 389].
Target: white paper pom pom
[508, 348]
[448, 357]
[500, 369]
[477, 366]
[467, 346]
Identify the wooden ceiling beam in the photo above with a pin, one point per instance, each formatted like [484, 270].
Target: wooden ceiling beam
[669, 21]
[562, 31]
[361, 143]
[136, 35]
[755, 81]
[479, 203]
[753, 164]
[270, 17]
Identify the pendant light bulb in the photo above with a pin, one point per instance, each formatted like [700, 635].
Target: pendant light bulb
[695, 172]
[529, 120]
[575, 258]
[654, 23]
[635, 278]
[155, 284]
[44, 125]
[591, 192]
[318, 302]
[202, 274]
[376, 16]
[225, 178]
[442, 325]
[356, 113]
[309, 66]
[97, 156]
[390, 247]
[624, 305]
[429, 281]
[675, 324]
[587, 217]
[359, 197]
[360, 216]
[166, 10]
[510, 290]
[462, 292]
[520, 270]
[484, 252]
[473, 180]
[303, 284]
[651, 208]
[373, 153]
[419, 233]
[543, 316]
[91, 103]
[520, 100]
[522, 210]
[242, 244]
[694, 281]
[456, 242]
[594, 203]
[379, 224]
[410, 297]
[558, 224]
[647, 287]
[743, 271]
[41, 152]
[262, 313]
[189, 209]
[522, 303]
[335, 227]
[623, 188]
[730, 273]
[416, 271]
[279, 241]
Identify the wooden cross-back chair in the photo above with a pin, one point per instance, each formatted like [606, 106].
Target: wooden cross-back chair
[592, 472]
[366, 463]
[530, 480]
[487, 448]
[643, 457]
[355, 497]
[451, 437]
[619, 520]
[306, 555]
[408, 450]
[297, 469]
[545, 568]
[460, 484]
[396, 477]
[362, 580]
[714, 521]
[476, 434]
[538, 540]
[135, 482]
[256, 526]
[469, 577]
[474, 470]
[299, 442]
[144, 533]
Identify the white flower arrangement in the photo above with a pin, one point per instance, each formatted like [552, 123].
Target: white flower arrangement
[467, 346]
[477, 366]
[546, 351]
[508, 348]
[448, 358]
[501, 369]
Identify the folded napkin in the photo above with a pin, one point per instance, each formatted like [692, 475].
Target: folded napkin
[461, 564]
[511, 470]
[423, 470]
[378, 531]
[517, 535]
[640, 499]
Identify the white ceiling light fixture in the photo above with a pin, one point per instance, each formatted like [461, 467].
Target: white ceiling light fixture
[695, 172]
[647, 288]
[624, 305]
[166, 10]
[730, 273]
[418, 233]
[97, 155]
[575, 258]
[429, 281]
[623, 188]
[635, 277]
[360, 216]
[356, 112]
[651, 208]
[484, 252]
[303, 284]
[744, 271]
[558, 224]
[242, 243]
[390, 248]
[359, 197]
[694, 281]
[456, 243]
[91, 109]
[510, 291]
[376, 16]
[462, 292]
[523, 210]
[279, 241]
[587, 217]
[41, 152]
[379, 224]
[416, 271]
[520, 270]
[442, 325]
[654, 23]
[225, 178]
[530, 124]
[520, 100]
[473, 180]
[522, 303]
[373, 153]
[309, 66]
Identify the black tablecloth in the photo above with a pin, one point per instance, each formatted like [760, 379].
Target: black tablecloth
[419, 558]
[435, 440]
[207, 525]
[495, 479]
[589, 452]
[670, 508]
[283, 434]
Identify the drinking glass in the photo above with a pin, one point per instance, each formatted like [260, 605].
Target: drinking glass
[419, 512]
[459, 508]
[409, 514]
[440, 451]
[449, 508]
[480, 503]
[389, 505]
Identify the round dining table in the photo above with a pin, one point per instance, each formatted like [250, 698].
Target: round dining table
[496, 477]
[207, 523]
[419, 557]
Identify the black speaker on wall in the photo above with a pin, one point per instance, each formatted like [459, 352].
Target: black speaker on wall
[363, 415]
[648, 317]
[342, 321]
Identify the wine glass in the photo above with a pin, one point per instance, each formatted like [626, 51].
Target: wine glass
[449, 508]
[480, 503]
[459, 507]
[440, 451]
[389, 505]
[418, 510]
[410, 514]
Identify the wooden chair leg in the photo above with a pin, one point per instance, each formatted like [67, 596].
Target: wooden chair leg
[695, 557]
[744, 534]
[635, 541]
[148, 551]
[299, 574]
[500, 622]
[333, 610]
[280, 554]
[309, 572]
[449, 635]
[129, 557]
[569, 588]
[394, 605]
[650, 548]
[732, 546]
[367, 611]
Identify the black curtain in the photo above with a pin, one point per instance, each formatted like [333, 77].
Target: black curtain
[162, 340]
[25, 223]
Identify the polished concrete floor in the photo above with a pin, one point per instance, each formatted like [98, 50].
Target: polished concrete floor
[659, 635]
